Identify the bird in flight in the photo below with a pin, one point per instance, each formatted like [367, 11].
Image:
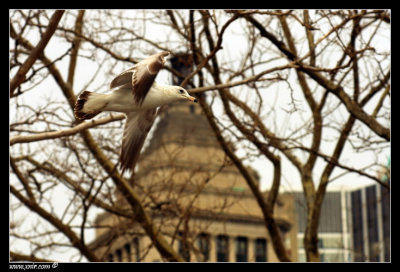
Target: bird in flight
[136, 94]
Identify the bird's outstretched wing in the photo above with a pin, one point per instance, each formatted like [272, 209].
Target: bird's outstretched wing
[137, 127]
[124, 78]
[141, 76]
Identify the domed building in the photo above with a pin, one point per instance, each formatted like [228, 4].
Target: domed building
[196, 198]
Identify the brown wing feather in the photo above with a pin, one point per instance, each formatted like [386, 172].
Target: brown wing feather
[144, 75]
[137, 127]
[141, 84]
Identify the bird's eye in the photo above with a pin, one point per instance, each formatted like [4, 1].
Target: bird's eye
[181, 91]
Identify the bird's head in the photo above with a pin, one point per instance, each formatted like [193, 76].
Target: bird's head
[179, 94]
[172, 94]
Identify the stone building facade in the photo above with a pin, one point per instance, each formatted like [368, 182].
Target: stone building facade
[196, 198]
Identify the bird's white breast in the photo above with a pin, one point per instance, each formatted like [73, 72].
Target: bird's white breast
[122, 99]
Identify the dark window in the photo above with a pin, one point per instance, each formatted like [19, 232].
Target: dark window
[183, 247]
[222, 248]
[110, 258]
[203, 243]
[386, 222]
[241, 249]
[357, 222]
[128, 252]
[320, 243]
[136, 249]
[118, 252]
[261, 250]
[373, 240]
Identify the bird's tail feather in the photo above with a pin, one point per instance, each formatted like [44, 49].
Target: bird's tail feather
[89, 104]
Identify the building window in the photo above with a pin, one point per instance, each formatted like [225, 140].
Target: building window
[320, 243]
[322, 257]
[241, 249]
[128, 252]
[261, 250]
[118, 252]
[136, 249]
[386, 222]
[222, 248]
[203, 243]
[183, 247]
[372, 223]
[358, 232]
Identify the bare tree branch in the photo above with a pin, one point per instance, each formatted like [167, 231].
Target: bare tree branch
[337, 90]
[66, 132]
[36, 52]
[63, 228]
[14, 256]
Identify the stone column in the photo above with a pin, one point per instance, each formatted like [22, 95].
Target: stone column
[213, 249]
[251, 255]
[231, 248]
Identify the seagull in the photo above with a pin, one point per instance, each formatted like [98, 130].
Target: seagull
[136, 94]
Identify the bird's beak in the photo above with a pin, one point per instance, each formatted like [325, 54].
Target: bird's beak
[192, 99]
